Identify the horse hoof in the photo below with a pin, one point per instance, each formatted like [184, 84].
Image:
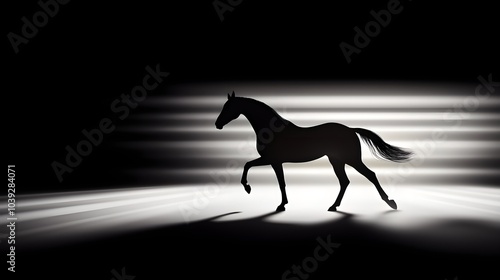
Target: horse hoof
[392, 204]
[248, 189]
[332, 209]
[280, 208]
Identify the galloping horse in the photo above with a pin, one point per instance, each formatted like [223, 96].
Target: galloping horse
[280, 141]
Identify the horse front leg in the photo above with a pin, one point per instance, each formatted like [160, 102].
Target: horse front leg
[256, 162]
[278, 169]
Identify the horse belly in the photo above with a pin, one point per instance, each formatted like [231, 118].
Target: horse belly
[299, 150]
[308, 144]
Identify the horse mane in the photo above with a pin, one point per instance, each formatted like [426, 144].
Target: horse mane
[262, 109]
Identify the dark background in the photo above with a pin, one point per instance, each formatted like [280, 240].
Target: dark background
[65, 78]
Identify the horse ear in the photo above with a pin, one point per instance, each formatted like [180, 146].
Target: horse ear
[232, 95]
[228, 96]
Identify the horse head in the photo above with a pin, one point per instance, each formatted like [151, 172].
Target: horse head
[229, 112]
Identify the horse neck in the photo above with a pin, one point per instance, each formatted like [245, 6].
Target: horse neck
[261, 116]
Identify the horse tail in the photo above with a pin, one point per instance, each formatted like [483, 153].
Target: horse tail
[381, 149]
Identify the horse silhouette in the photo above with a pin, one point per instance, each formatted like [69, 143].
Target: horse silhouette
[280, 141]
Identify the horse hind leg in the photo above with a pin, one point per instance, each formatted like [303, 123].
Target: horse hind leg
[339, 168]
[372, 177]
